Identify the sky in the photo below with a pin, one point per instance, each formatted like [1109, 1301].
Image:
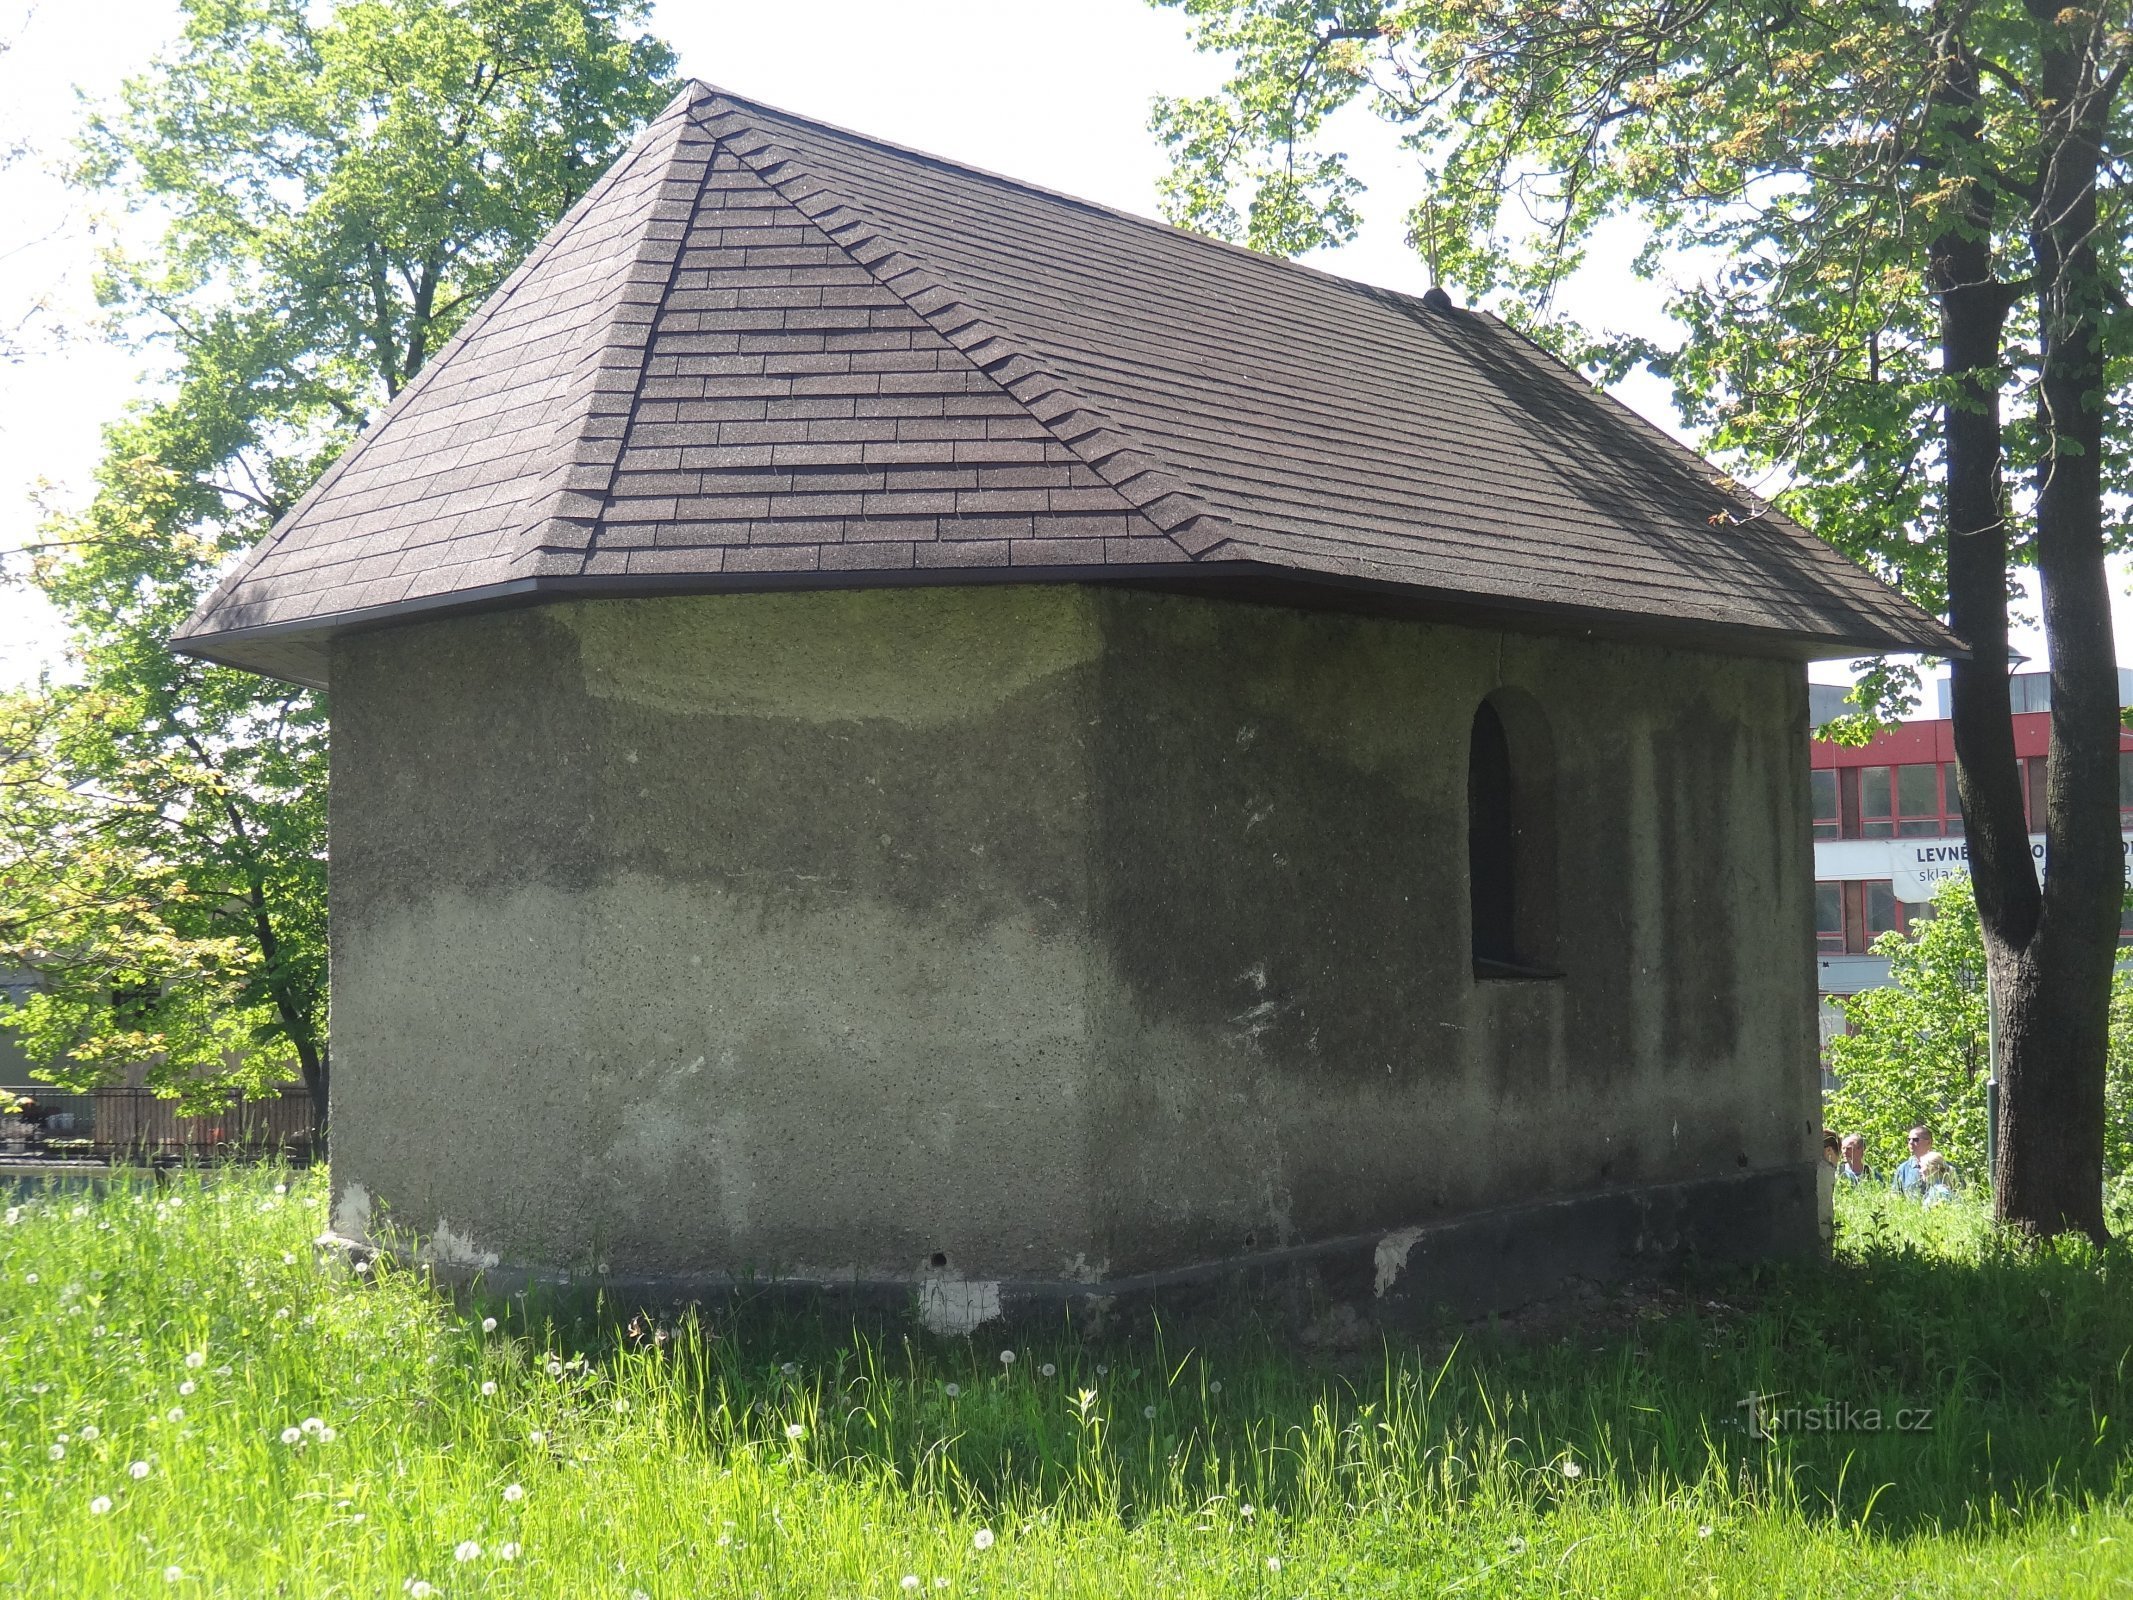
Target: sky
[1056, 92]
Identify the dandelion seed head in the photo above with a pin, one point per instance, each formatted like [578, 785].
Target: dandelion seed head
[1007, 1358]
[537, 1437]
[88, 1433]
[911, 1582]
[488, 1324]
[99, 1505]
[1048, 1370]
[982, 1539]
[173, 1574]
[326, 1435]
[1704, 1532]
[174, 1414]
[507, 1552]
[292, 1435]
[514, 1493]
[196, 1358]
[488, 1386]
[29, 1277]
[555, 1368]
[789, 1368]
[288, 1258]
[1246, 1512]
[953, 1390]
[1148, 1412]
[312, 1424]
[222, 1371]
[187, 1387]
[1572, 1470]
[1273, 1563]
[795, 1430]
[138, 1471]
[465, 1550]
[1215, 1387]
[418, 1588]
[58, 1452]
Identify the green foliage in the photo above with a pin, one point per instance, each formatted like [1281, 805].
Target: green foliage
[188, 1326]
[337, 187]
[1918, 1049]
[1786, 171]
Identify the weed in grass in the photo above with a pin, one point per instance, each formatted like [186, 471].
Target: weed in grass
[192, 1402]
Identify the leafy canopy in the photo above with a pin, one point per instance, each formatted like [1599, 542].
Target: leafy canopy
[334, 187]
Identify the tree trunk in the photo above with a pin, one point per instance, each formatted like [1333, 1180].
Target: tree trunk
[2054, 987]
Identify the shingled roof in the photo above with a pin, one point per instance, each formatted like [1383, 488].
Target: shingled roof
[764, 352]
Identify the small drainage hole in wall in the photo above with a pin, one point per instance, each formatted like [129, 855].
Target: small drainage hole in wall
[940, 1258]
[1251, 1241]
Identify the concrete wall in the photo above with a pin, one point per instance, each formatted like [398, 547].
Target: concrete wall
[1052, 934]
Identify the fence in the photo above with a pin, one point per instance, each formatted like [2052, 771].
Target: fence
[138, 1122]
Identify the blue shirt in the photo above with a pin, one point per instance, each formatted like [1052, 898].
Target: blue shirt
[1907, 1179]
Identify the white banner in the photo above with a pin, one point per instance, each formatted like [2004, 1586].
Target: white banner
[1918, 867]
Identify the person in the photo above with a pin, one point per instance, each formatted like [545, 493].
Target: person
[1935, 1179]
[1851, 1161]
[1920, 1139]
[1829, 1147]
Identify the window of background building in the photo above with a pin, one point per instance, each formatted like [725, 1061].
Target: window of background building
[1827, 823]
[2035, 776]
[1850, 915]
[1951, 807]
[1918, 801]
[1877, 813]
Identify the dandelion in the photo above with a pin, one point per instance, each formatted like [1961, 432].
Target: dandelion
[288, 1258]
[1246, 1512]
[1515, 1545]
[1704, 1532]
[58, 1452]
[418, 1588]
[795, 1431]
[326, 1435]
[555, 1368]
[1048, 1371]
[1273, 1563]
[488, 1324]
[99, 1505]
[953, 1391]
[488, 1387]
[789, 1368]
[138, 1471]
[196, 1358]
[1102, 1371]
[940, 1583]
[292, 1436]
[313, 1424]
[29, 1277]
[1007, 1358]
[14, 1215]
[174, 1414]
[88, 1433]
[281, 1188]
[173, 1574]
[911, 1583]
[222, 1371]
[982, 1539]
[537, 1437]
[187, 1387]
[514, 1493]
[1215, 1387]
[1572, 1470]
[507, 1552]
[465, 1550]
[1148, 1412]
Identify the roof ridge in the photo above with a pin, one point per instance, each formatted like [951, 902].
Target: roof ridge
[482, 316]
[1148, 483]
[565, 513]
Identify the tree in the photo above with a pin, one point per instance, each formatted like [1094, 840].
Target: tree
[337, 188]
[1903, 228]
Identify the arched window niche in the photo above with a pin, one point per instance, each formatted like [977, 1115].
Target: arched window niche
[1510, 839]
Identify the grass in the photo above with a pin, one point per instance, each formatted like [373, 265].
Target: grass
[189, 1327]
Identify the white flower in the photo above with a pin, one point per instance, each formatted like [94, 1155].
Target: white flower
[911, 1582]
[138, 1470]
[488, 1386]
[537, 1437]
[1007, 1358]
[196, 1358]
[465, 1550]
[507, 1552]
[514, 1493]
[1273, 1563]
[281, 1188]
[1704, 1532]
[29, 1277]
[187, 1387]
[982, 1539]
[419, 1588]
[313, 1424]
[173, 1574]
[794, 1430]
[99, 1505]
[58, 1452]
[488, 1324]
[1148, 1412]
[1246, 1512]
[953, 1391]
[1048, 1371]
[326, 1435]
[555, 1368]
[175, 1414]
[1572, 1470]
[292, 1436]
[88, 1433]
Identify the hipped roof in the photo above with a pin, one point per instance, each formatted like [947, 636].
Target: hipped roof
[765, 352]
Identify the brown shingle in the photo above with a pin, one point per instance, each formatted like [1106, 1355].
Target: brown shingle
[762, 345]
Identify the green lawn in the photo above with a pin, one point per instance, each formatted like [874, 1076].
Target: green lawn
[196, 1404]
